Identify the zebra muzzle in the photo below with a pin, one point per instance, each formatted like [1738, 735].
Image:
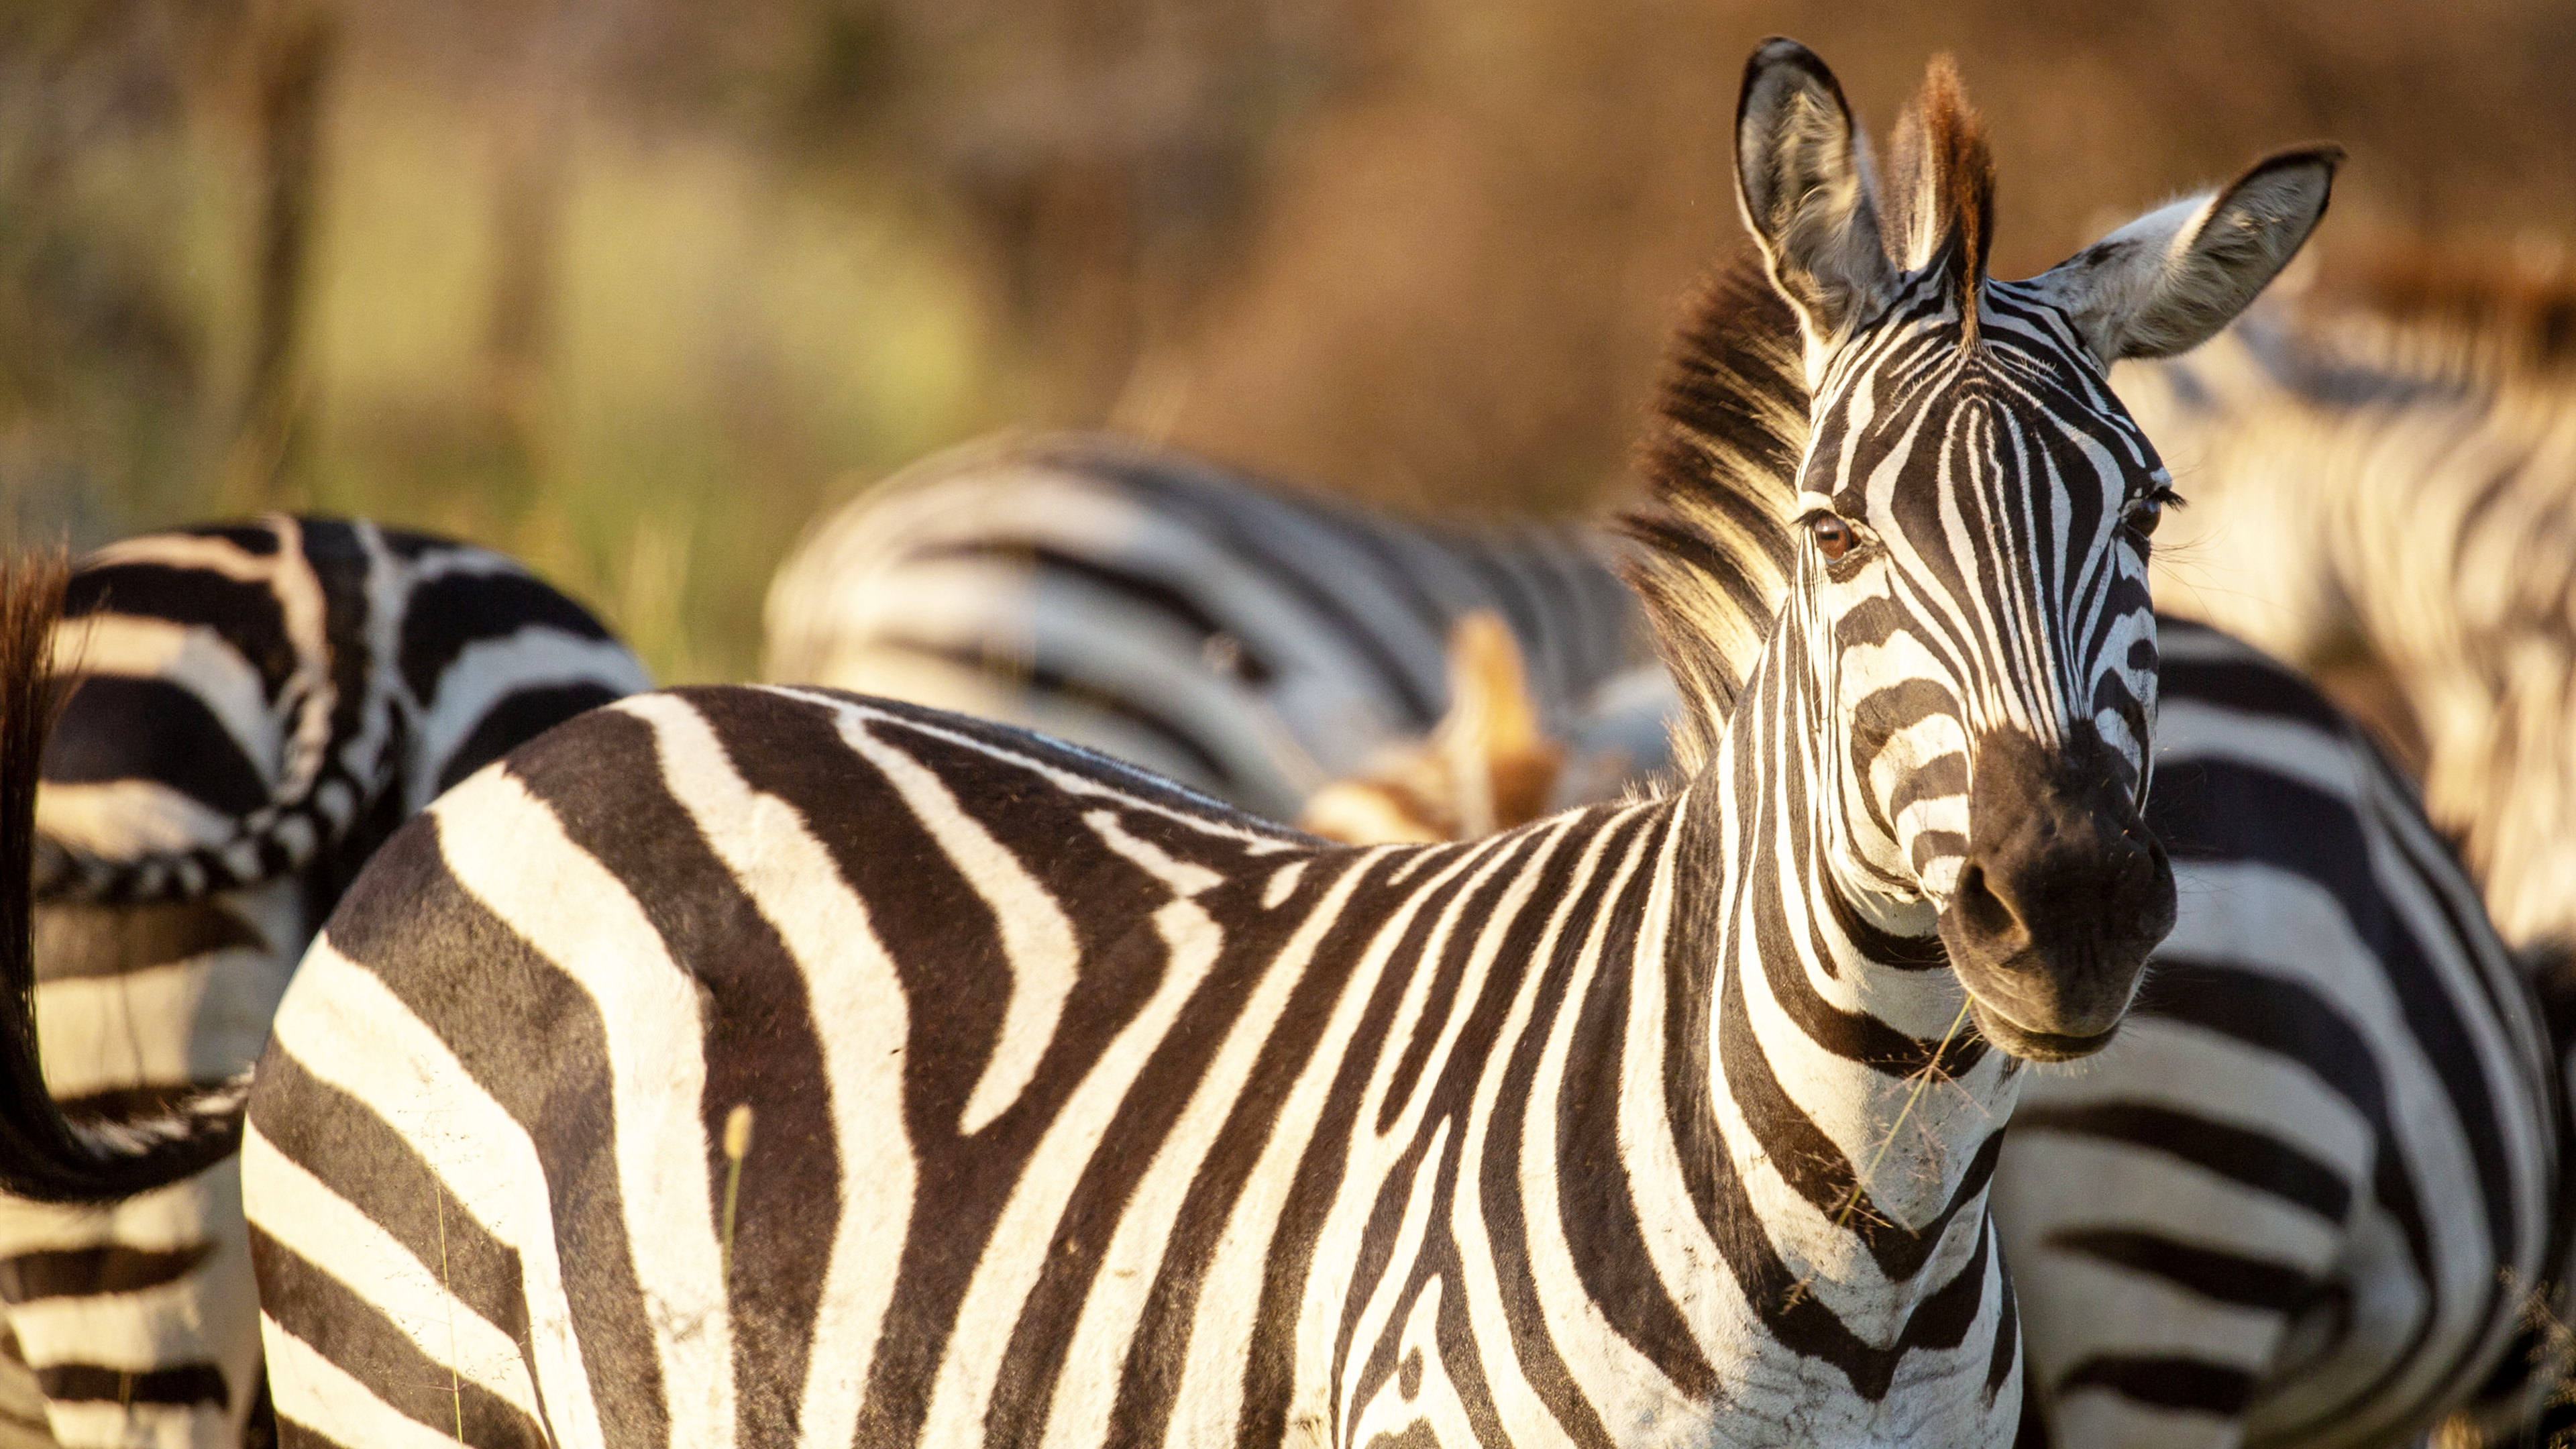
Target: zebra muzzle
[2063, 894]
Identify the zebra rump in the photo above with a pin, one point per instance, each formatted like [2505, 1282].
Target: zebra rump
[251, 708]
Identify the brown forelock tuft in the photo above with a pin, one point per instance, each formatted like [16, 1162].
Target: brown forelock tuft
[1720, 459]
[2475, 316]
[1945, 184]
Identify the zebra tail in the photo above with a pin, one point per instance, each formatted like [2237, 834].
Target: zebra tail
[43, 1154]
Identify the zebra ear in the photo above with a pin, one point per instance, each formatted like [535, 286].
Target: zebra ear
[1802, 175]
[2170, 280]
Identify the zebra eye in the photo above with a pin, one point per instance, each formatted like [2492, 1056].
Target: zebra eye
[2149, 511]
[1833, 536]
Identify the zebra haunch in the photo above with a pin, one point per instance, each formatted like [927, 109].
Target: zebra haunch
[255, 707]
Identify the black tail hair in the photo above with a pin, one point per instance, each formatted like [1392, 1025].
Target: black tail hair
[43, 1154]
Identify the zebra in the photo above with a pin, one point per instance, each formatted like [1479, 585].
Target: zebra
[2394, 489]
[1248, 640]
[2309, 1195]
[258, 705]
[976, 1086]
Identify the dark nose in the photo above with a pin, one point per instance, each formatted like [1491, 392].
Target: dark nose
[2064, 893]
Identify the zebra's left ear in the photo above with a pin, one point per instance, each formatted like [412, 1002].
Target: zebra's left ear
[2170, 280]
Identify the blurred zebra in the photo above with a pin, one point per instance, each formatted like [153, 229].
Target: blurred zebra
[256, 707]
[2383, 483]
[1245, 640]
[1104, 1111]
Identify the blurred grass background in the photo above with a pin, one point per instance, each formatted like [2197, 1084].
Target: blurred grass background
[633, 288]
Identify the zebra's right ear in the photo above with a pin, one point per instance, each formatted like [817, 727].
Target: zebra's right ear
[2170, 280]
[1803, 177]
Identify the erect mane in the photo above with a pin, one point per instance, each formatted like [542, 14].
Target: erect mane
[1942, 186]
[1721, 465]
[2464, 316]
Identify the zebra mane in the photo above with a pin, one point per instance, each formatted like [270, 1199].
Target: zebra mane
[1721, 465]
[2455, 316]
[1942, 187]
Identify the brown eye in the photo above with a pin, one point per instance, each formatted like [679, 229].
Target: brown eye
[1834, 537]
[2149, 511]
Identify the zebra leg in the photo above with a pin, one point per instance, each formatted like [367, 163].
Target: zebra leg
[140, 1319]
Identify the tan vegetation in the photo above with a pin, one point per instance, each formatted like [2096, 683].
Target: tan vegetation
[633, 287]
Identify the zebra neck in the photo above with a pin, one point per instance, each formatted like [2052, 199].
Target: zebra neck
[1864, 1144]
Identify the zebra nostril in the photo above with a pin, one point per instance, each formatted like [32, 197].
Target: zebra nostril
[1982, 910]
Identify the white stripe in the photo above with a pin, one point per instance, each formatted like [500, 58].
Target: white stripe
[1037, 941]
[412, 1295]
[1138, 1246]
[346, 1030]
[860, 1015]
[576, 914]
[489, 670]
[1017, 1250]
[194, 656]
[310, 1390]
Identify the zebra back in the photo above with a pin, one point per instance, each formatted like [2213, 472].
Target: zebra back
[1251, 641]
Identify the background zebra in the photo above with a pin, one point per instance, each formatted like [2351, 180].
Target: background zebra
[2384, 483]
[1103, 1109]
[1244, 640]
[257, 706]
[2306, 1196]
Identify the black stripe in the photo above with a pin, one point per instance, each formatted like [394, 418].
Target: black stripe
[118, 727]
[763, 1046]
[2171, 1382]
[515, 719]
[340, 1326]
[1595, 1199]
[78, 941]
[446, 615]
[1240, 538]
[1156, 595]
[1158, 1352]
[184, 1385]
[246, 616]
[460, 969]
[87, 1272]
[2222, 1277]
[2239, 1154]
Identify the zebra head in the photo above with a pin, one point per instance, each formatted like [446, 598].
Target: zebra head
[1966, 614]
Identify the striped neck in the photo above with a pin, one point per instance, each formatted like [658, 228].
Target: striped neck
[1821, 1032]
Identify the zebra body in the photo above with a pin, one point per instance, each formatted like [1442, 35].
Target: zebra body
[2311, 1193]
[2382, 493]
[1087, 1110]
[1298, 1144]
[1244, 640]
[258, 706]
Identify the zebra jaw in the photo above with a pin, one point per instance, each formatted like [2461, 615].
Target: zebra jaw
[2063, 894]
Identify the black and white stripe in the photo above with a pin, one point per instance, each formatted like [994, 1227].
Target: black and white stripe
[1244, 639]
[1088, 1109]
[258, 705]
[2394, 491]
[2308, 1196]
